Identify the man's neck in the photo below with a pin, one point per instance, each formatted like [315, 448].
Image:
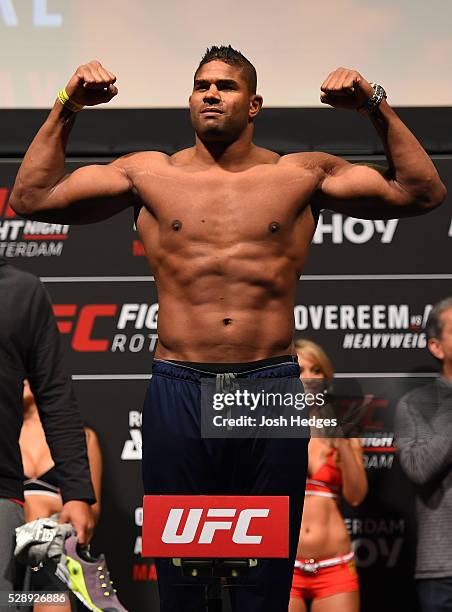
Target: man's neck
[229, 156]
[447, 371]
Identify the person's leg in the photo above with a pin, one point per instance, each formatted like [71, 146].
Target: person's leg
[45, 581]
[297, 595]
[11, 516]
[66, 607]
[273, 467]
[176, 461]
[336, 588]
[297, 605]
[435, 594]
[341, 602]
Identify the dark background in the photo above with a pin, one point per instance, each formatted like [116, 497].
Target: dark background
[98, 275]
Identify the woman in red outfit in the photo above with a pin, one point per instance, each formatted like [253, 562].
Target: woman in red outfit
[324, 570]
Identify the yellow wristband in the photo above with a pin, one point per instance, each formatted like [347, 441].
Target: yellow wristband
[67, 102]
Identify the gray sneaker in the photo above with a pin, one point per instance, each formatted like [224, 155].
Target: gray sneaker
[88, 578]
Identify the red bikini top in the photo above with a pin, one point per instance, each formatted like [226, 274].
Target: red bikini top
[327, 480]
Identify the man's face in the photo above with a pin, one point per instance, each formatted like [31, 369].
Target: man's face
[441, 348]
[221, 104]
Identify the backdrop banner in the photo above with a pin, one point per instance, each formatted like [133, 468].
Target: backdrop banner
[365, 296]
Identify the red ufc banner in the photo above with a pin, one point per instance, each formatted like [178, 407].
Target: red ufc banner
[215, 526]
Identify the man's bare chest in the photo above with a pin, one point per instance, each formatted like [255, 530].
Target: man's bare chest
[269, 201]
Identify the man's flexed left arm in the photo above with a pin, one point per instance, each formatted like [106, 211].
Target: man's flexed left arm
[409, 185]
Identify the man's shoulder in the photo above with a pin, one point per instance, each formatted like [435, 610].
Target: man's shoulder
[420, 397]
[141, 160]
[10, 274]
[23, 292]
[156, 159]
[310, 160]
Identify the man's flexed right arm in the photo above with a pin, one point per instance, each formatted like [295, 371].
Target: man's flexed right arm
[43, 190]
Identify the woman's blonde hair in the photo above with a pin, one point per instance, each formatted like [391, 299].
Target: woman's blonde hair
[316, 352]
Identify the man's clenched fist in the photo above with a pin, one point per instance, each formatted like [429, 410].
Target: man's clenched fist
[91, 84]
[345, 88]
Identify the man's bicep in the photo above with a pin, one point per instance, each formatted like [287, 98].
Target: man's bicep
[89, 194]
[363, 191]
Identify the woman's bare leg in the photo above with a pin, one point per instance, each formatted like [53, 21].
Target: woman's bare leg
[341, 602]
[297, 605]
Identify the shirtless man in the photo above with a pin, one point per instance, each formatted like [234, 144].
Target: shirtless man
[226, 227]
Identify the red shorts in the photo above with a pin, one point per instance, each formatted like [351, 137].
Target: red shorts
[326, 581]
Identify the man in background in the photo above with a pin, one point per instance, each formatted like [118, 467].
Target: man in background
[30, 348]
[424, 440]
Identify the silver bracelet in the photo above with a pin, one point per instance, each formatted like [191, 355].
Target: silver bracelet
[374, 102]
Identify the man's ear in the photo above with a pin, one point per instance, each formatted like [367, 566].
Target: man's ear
[256, 103]
[435, 347]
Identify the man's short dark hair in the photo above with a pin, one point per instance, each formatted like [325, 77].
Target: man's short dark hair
[435, 325]
[231, 56]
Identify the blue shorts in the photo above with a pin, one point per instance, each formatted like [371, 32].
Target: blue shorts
[178, 461]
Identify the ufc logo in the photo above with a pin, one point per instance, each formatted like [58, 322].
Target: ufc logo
[206, 536]
[82, 327]
[215, 526]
